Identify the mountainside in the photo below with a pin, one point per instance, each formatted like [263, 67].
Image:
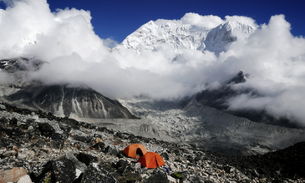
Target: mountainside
[176, 34]
[39, 147]
[76, 102]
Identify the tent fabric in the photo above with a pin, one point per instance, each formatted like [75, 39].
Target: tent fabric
[151, 160]
[133, 151]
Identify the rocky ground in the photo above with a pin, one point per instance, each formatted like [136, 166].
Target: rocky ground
[39, 147]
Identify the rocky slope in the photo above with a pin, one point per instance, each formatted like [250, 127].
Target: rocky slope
[52, 149]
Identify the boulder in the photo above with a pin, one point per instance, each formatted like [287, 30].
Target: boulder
[86, 158]
[121, 166]
[25, 179]
[157, 177]
[61, 170]
[96, 174]
[111, 151]
[99, 146]
[2, 107]
[47, 130]
[12, 175]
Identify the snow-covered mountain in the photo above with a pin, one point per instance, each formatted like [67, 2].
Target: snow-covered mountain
[180, 34]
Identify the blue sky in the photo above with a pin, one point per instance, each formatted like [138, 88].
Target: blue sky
[118, 18]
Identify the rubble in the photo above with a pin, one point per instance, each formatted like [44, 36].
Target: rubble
[52, 149]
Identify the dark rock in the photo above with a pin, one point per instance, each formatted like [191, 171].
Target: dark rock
[85, 139]
[190, 158]
[61, 171]
[239, 78]
[197, 179]
[129, 177]
[13, 121]
[12, 131]
[122, 135]
[121, 166]
[197, 158]
[206, 181]
[99, 146]
[70, 122]
[111, 151]
[47, 130]
[165, 155]
[157, 177]
[6, 142]
[3, 120]
[227, 169]
[39, 143]
[65, 128]
[177, 152]
[120, 154]
[86, 158]
[96, 174]
[179, 175]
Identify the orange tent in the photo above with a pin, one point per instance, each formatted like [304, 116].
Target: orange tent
[135, 151]
[151, 160]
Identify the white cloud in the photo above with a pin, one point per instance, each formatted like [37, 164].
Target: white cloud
[275, 60]
[208, 21]
[241, 19]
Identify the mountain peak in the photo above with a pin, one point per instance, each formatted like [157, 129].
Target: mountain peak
[192, 31]
[220, 38]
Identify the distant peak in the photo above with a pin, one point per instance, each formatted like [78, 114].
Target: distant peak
[192, 31]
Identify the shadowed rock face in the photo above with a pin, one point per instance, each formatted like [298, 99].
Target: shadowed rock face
[65, 101]
[20, 64]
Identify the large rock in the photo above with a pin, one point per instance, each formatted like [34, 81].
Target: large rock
[12, 175]
[61, 170]
[157, 177]
[96, 174]
[48, 130]
[25, 179]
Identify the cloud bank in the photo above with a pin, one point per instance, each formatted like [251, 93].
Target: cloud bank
[271, 55]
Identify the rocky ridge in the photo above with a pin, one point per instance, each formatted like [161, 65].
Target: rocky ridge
[53, 149]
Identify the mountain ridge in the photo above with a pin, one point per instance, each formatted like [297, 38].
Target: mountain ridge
[177, 34]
